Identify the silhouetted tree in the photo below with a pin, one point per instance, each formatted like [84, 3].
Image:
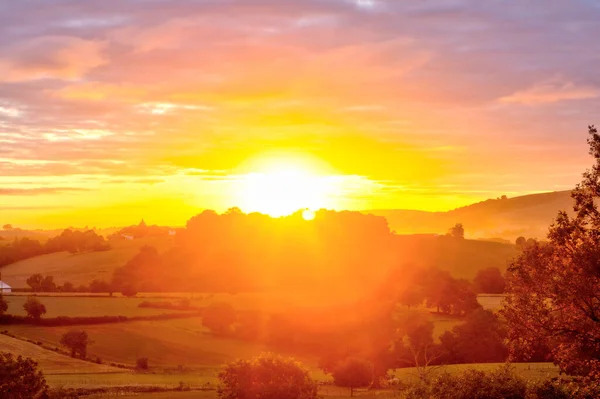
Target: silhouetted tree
[267, 377]
[77, 341]
[129, 291]
[554, 286]
[34, 308]
[7, 227]
[490, 281]
[35, 282]
[521, 242]
[3, 305]
[20, 378]
[68, 287]
[353, 373]
[141, 363]
[457, 231]
[480, 339]
[48, 284]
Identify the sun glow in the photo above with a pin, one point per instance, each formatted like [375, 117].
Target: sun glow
[284, 188]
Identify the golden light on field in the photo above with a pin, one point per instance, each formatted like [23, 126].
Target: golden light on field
[284, 186]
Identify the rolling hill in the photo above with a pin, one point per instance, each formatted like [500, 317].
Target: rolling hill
[80, 268]
[507, 218]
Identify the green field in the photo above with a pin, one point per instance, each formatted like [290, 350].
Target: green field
[166, 343]
[85, 306]
[78, 268]
[50, 361]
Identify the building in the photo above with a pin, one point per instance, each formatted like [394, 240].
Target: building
[5, 288]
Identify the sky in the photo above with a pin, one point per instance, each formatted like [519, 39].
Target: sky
[114, 111]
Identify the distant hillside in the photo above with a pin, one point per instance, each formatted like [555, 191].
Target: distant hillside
[462, 258]
[506, 218]
[80, 268]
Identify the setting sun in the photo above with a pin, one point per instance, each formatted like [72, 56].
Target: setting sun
[283, 190]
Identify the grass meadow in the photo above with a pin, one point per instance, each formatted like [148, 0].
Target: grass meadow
[82, 268]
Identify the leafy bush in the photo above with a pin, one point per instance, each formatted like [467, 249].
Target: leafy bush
[20, 378]
[34, 308]
[141, 363]
[76, 341]
[353, 373]
[267, 377]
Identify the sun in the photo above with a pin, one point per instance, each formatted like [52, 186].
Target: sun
[283, 187]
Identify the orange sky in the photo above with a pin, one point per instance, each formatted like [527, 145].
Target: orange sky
[162, 109]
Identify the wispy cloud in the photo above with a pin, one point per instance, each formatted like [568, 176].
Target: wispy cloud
[39, 190]
[550, 92]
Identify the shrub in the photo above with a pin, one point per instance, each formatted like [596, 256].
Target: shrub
[3, 305]
[34, 308]
[20, 378]
[267, 377]
[77, 341]
[353, 373]
[141, 363]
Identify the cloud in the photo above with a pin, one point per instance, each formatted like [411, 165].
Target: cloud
[388, 91]
[39, 190]
[550, 92]
[55, 57]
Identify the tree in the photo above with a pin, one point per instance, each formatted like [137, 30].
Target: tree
[416, 347]
[490, 281]
[141, 363]
[520, 242]
[267, 376]
[411, 296]
[457, 231]
[7, 227]
[219, 318]
[20, 378]
[3, 305]
[353, 373]
[480, 339]
[35, 282]
[34, 308]
[129, 290]
[554, 286]
[77, 341]
[68, 287]
[48, 284]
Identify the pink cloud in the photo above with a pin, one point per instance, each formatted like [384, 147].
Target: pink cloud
[57, 57]
[550, 92]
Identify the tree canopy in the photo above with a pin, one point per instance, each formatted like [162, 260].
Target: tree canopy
[267, 376]
[554, 287]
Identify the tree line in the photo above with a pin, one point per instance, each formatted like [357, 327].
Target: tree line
[73, 241]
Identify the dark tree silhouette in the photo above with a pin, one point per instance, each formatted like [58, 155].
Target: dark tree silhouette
[490, 281]
[267, 377]
[353, 373]
[34, 308]
[20, 378]
[457, 231]
[77, 341]
[3, 305]
[554, 287]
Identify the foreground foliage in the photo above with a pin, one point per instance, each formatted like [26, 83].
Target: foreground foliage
[267, 376]
[502, 383]
[20, 378]
[554, 287]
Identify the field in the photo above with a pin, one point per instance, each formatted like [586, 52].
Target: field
[180, 351]
[78, 268]
[52, 362]
[85, 306]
